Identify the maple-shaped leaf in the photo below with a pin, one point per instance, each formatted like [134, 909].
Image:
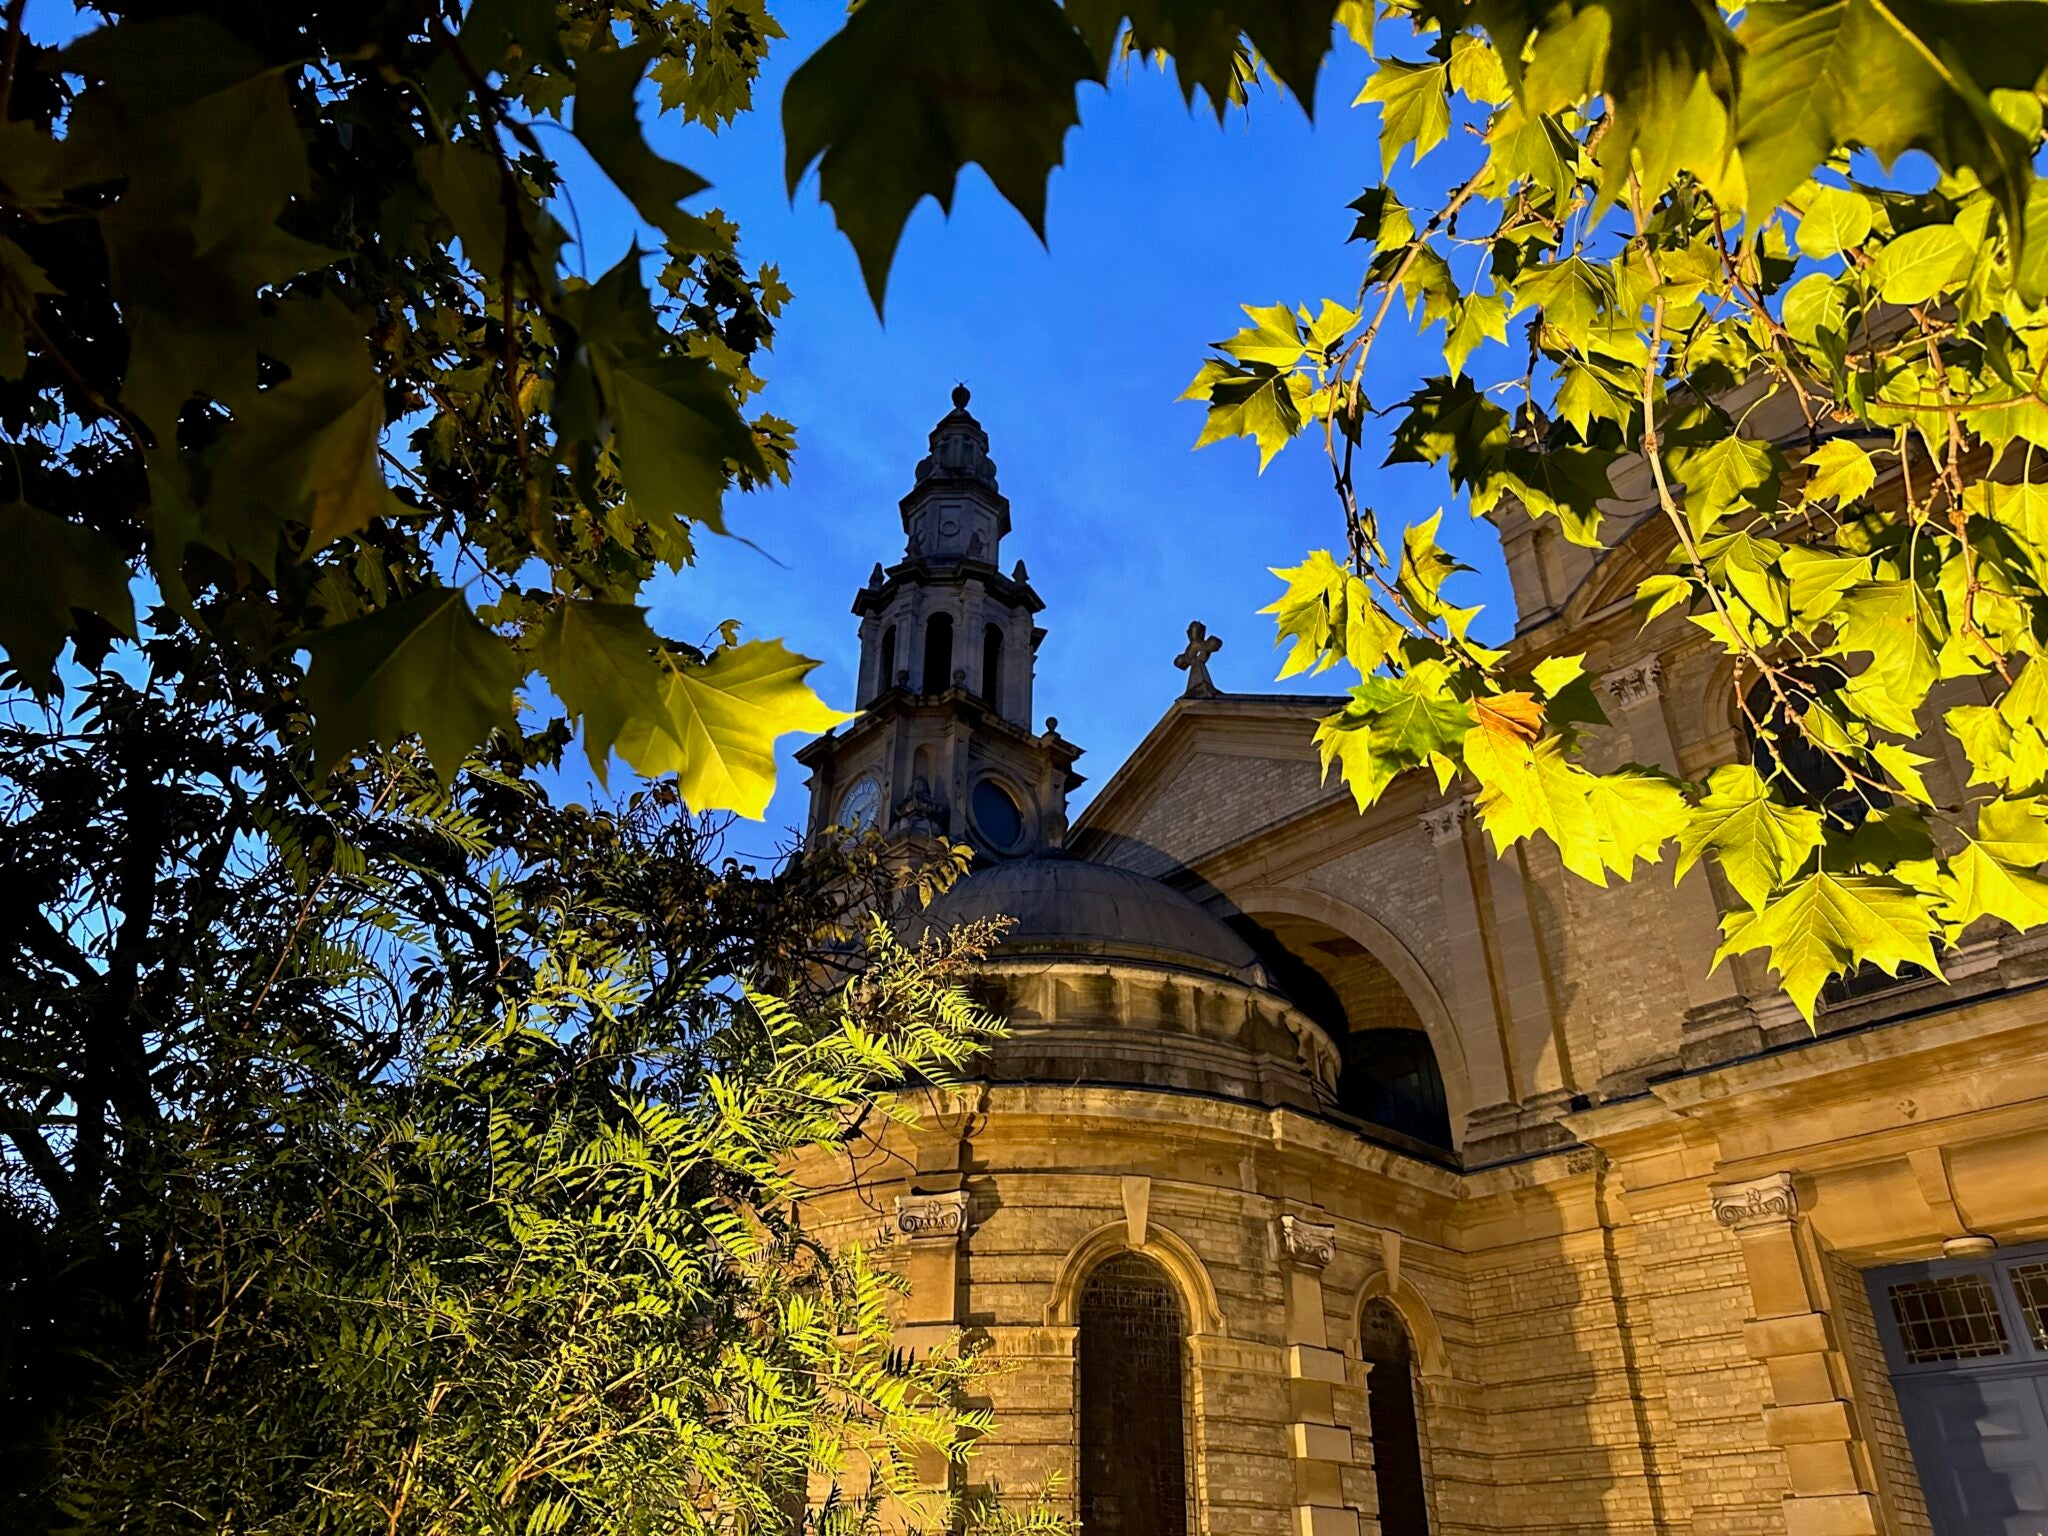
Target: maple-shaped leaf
[1327, 614]
[1254, 400]
[1889, 76]
[1978, 884]
[599, 658]
[1390, 726]
[1898, 625]
[1478, 317]
[607, 124]
[1759, 840]
[1273, 338]
[53, 571]
[894, 104]
[717, 721]
[420, 666]
[1415, 107]
[1728, 473]
[1450, 420]
[1598, 822]
[1839, 468]
[1209, 39]
[1826, 924]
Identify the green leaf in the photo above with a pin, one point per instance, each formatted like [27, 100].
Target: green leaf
[1917, 265]
[1834, 221]
[1273, 338]
[1728, 473]
[1904, 766]
[2014, 832]
[1477, 317]
[600, 660]
[894, 104]
[1979, 885]
[1206, 39]
[1896, 623]
[1256, 401]
[1415, 107]
[1889, 75]
[466, 186]
[607, 123]
[1759, 840]
[54, 570]
[1840, 469]
[718, 720]
[1390, 726]
[1381, 219]
[1827, 924]
[420, 666]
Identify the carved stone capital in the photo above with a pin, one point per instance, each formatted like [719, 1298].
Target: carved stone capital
[1308, 1243]
[932, 1215]
[1443, 823]
[1636, 684]
[1755, 1202]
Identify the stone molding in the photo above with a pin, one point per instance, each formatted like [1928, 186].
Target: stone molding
[1755, 1202]
[1637, 684]
[1445, 822]
[932, 1215]
[1308, 1243]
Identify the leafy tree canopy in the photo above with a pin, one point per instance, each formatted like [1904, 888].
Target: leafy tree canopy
[1691, 216]
[291, 340]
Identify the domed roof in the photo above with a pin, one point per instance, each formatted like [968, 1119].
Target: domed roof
[1064, 907]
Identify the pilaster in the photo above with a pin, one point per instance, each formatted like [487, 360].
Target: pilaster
[1321, 1445]
[1470, 996]
[1811, 1416]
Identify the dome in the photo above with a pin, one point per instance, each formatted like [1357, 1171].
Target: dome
[1065, 907]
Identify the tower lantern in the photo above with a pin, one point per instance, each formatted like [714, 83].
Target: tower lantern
[943, 746]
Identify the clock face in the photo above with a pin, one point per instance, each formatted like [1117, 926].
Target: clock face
[861, 805]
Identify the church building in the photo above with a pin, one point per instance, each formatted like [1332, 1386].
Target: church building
[1339, 1177]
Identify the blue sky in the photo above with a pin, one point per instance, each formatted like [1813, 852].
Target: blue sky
[1160, 224]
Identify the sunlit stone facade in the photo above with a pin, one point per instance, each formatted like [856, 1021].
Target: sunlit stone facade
[1467, 1197]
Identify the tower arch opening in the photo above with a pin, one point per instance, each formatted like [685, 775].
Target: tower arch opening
[992, 667]
[1133, 1400]
[886, 677]
[938, 653]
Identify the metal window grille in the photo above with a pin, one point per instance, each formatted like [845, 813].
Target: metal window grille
[1133, 1459]
[2030, 1285]
[1947, 1317]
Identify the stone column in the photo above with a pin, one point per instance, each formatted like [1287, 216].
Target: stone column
[1469, 993]
[1810, 1415]
[1321, 1445]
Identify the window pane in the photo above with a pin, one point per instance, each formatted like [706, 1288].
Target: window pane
[2030, 1282]
[1390, 1405]
[1133, 1463]
[1951, 1318]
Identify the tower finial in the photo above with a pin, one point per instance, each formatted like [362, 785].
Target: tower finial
[961, 396]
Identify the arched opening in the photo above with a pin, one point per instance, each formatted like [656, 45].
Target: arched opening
[938, 653]
[992, 667]
[1384, 1345]
[887, 678]
[1132, 1336]
[1389, 1074]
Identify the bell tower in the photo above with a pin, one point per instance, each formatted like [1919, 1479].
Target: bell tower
[943, 746]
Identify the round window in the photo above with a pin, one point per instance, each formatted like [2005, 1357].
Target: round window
[996, 815]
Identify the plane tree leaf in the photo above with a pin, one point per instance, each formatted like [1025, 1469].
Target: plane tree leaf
[1825, 924]
[421, 666]
[1758, 840]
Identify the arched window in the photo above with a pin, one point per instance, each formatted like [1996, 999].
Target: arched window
[992, 666]
[938, 653]
[1783, 752]
[1133, 1456]
[888, 678]
[1390, 1403]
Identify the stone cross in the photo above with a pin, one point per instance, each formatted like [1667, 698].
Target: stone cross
[1195, 662]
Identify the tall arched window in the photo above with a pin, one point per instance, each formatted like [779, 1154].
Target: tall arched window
[938, 653]
[992, 666]
[1390, 1403]
[888, 678]
[1133, 1455]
